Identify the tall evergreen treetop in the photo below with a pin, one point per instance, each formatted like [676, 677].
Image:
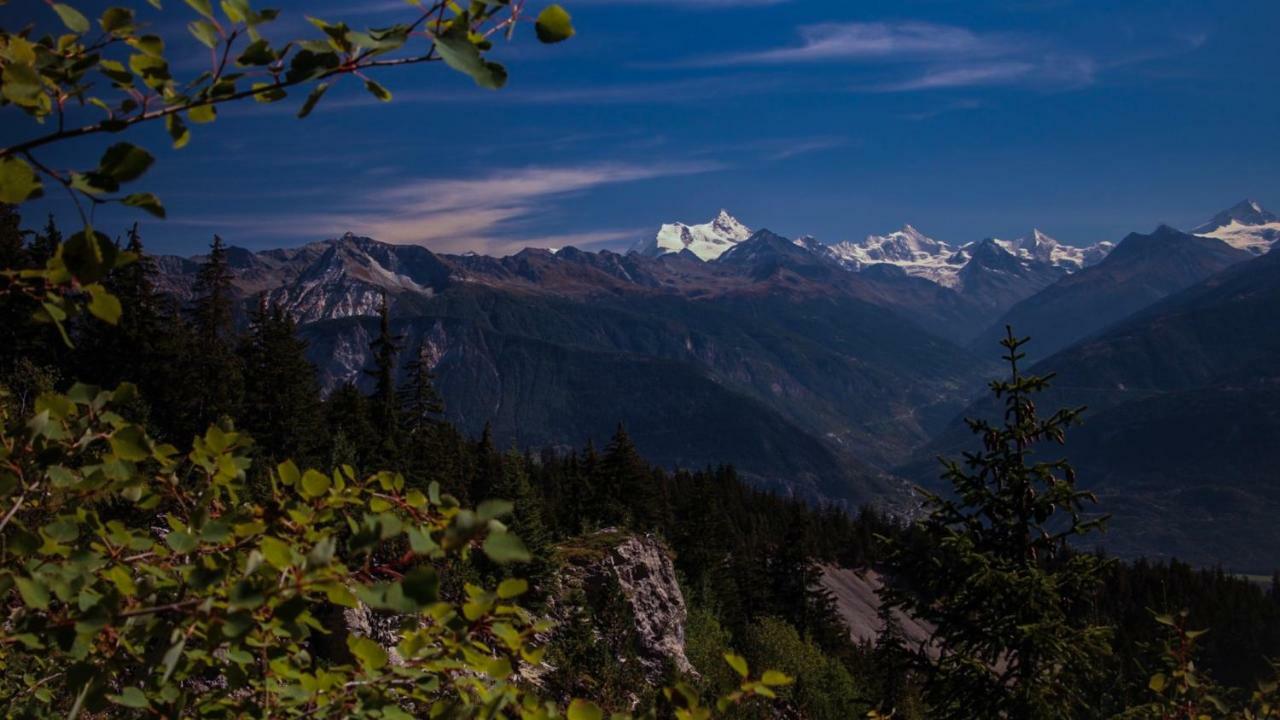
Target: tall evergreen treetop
[997, 578]
[213, 293]
[420, 404]
[385, 347]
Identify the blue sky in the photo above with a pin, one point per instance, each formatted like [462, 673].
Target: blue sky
[967, 118]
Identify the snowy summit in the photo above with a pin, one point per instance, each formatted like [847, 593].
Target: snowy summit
[708, 240]
[1245, 225]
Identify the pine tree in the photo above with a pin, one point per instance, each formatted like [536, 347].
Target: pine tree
[528, 519]
[383, 403]
[214, 373]
[627, 492]
[421, 407]
[213, 307]
[13, 250]
[488, 469]
[352, 437]
[1007, 596]
[281, 409]
[22, 338]
[45, 244]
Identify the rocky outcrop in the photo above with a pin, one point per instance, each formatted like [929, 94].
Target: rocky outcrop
[857, 596]
[639, 567]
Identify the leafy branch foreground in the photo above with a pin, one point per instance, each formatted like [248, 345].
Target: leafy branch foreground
[139, 577]
[85, 81]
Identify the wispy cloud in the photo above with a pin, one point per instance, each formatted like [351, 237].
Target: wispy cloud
[995, 73]
[493, 213]
[873, 41]
[924, 56]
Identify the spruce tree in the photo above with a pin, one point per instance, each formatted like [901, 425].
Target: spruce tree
[213, 306]
[488, 469]
[45, 244]
[628, 494]
[383, 404]
[528, 519]
[421, 406]
[1008, 598]
[215, 373]
[352, 437]
[282, 402]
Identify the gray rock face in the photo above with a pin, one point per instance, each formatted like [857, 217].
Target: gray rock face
[857, 596]
[380, 627]
[640, 567]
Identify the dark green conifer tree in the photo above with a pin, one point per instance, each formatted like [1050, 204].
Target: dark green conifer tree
[421, 407]
[488, 467]
[627, 492]
[1010, 602]
[528, 519]
[215, 375]
[353, 440]
[281, 409]
[383, 403]
[45, 244]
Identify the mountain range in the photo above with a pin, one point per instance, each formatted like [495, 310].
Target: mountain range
[820, 371]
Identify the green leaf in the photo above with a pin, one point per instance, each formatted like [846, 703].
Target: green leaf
[314, 484]
[18, 182]
[773, 678]
[235, 10]
[130, 443]
[276, 552]
[204, 7]
[204, 31]
[181, 542]
[288, 472]
[150, 45]
[258, 52]
[317, 92]
[34, 594]
[377, 91]
[554, 24]
[125, 162]
[737, 662]
[201, 114]
[172, 656]
[491, 509]
[131, 697]
[24, 86]
[103, 304]
[504, 547]
[1157, 682]
[369, 653]
[145, 201]
[177, 131]
[512, 587]
[458, 52]
[117, 19]
[72, 18]
[62, 530]
[267, 92]
[584, 710]
[89, 256]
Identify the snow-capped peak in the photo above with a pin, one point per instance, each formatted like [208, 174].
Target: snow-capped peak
[1245, 225]
[913, 251]
[922, 256]
[707, 240]
[1038, 246]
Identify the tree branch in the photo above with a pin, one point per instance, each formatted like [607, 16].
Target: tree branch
[110, 125]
